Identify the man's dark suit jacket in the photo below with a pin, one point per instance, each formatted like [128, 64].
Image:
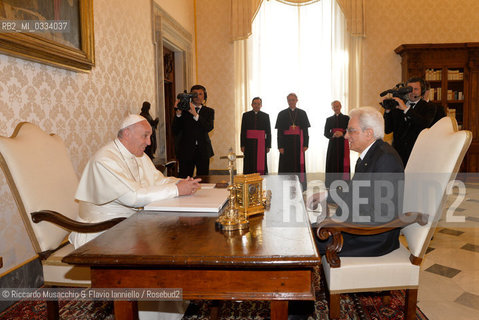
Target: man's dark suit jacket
[407, 126]
[189, 132]
[381, 167]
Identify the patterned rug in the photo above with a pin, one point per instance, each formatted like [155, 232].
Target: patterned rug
[360, 306]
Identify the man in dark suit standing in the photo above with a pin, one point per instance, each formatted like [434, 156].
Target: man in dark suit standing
[255, 139]
[408, 119]
[374, 195]
[191, 127]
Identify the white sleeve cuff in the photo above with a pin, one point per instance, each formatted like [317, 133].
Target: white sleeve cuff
[144, 196]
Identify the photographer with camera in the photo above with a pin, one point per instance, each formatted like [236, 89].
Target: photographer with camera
[406, 114]
[191, 124]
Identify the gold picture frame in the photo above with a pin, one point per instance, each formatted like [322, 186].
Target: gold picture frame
[35, 47]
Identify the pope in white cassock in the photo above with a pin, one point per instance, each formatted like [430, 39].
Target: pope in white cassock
[120, 179]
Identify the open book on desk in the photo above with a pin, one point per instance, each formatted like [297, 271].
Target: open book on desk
[204, 200]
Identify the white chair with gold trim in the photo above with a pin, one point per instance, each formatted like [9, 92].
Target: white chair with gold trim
[43, 182]
[434, 162]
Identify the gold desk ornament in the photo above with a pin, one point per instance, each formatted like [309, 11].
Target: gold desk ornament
[249, 194]
[231, 219]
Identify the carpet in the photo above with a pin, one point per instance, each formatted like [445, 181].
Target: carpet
[357, 306]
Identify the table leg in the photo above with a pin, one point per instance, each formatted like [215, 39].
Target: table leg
[126, 310]
[279, 310]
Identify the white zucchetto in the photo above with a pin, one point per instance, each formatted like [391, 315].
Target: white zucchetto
[131, 119]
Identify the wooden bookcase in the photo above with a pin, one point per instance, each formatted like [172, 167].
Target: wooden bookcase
[452, 69]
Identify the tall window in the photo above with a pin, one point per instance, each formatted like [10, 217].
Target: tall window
[300, 49]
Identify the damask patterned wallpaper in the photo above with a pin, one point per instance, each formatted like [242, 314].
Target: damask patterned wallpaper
[215, 71]
[84, 109]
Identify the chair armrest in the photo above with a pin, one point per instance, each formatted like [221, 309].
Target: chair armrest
[168, 168]
[72, 225]
[330, 228]
[170, 164]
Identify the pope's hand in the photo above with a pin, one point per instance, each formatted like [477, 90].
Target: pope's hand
[188, 186]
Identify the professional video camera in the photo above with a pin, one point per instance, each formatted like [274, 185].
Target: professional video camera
[399, 91]
[185, 99]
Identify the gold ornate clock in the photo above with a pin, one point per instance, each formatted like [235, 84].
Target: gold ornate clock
[249, 193]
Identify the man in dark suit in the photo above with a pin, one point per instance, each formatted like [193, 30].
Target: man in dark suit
[255, 138]
[191, 128]
[408, 119]
[374, 195]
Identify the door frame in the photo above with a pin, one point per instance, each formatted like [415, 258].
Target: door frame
[168, 32]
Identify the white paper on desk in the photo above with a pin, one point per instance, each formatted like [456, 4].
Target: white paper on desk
[203, 200]
[207, 185]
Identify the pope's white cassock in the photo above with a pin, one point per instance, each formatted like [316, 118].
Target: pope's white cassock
[116, 183]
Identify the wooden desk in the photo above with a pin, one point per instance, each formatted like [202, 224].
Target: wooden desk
[273, 261]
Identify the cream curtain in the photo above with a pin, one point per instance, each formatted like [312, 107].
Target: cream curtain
[354, 11]
[298, 2]
[242, 16]
[241, 81]
[244, 11]
[301, 49]
[345, 83]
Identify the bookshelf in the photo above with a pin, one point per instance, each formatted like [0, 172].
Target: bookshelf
[452, 69]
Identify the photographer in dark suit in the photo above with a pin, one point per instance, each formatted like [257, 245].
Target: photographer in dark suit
[191, 127]
[409, 118]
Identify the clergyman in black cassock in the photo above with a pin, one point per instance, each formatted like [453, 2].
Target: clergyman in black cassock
[337, 157]
[293, 139]
[255, 139]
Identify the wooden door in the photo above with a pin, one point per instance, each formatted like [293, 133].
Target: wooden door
[170, 98]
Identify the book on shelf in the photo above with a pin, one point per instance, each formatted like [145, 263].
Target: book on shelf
[455, 75]
[432, 75]
[450, 95]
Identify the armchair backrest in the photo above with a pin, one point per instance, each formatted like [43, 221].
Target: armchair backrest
[433, 163]
[40, 174]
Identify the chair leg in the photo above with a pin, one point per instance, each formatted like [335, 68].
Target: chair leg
[125, 310]
[215, 309]
[333, 299]
[334, 306]
[53, 310]
[386, 297]
[410, 304]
